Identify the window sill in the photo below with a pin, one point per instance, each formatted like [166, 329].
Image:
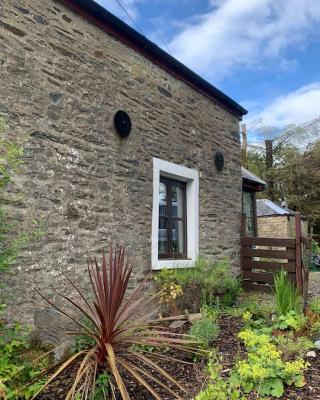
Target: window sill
[170, 263]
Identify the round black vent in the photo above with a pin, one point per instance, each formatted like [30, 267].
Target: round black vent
[122, 123]
[219, 160]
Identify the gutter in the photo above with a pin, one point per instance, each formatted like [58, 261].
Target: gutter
[109, 23]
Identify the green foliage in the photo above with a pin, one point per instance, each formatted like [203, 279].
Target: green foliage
[287, 297]
[294, 173]
[16, 367]
[315, 306]
[291, 346]
[205, 330]
[315, 329]
[264, 370]
[102, 387]
[170, 290]
[233, 289]
[218, 388]
[10, 156]
[291, 320]
[12, 240]
[257, 305]
[315, 248]
[205, 281]
[256, 323]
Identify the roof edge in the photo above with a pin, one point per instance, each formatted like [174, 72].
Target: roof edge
[109, 23]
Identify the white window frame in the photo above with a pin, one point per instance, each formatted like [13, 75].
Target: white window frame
[191, 177]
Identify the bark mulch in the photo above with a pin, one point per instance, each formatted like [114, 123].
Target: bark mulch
[228, 349]
[189, 375]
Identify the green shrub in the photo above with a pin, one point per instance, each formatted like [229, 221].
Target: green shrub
[203, 283]
[205, 330]
[15, 368]
[287, 297]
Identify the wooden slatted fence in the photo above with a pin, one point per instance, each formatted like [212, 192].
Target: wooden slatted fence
[262, 258]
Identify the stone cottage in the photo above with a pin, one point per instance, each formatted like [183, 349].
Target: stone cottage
[121, 143]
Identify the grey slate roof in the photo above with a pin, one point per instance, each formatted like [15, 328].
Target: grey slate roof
[251, 177]
[267, 207]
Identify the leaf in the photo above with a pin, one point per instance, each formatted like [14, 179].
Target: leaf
[277, 388]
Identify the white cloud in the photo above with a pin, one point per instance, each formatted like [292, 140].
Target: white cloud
[245, 33]
[296, 107]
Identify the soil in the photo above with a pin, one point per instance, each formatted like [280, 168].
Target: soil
[191, 376]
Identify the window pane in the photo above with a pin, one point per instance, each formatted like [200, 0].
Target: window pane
[163, 237]
[248, 210]
[162, 199]
[177, 202]
[163, 222]
[177, 242]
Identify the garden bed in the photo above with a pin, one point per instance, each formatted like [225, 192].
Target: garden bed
[229, 349]
[189, 375]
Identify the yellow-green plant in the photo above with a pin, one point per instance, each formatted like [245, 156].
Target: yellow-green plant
[291, 320]
[264, 370]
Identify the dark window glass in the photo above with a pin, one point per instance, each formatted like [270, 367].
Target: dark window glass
[248, 210]
[172, 219]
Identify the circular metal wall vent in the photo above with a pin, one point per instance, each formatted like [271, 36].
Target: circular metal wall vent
[122, 123]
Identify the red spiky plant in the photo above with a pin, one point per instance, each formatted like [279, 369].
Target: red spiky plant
[117, 324]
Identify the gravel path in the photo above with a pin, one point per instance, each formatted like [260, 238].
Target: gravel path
[314, 284]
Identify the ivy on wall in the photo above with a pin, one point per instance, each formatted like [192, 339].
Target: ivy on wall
[12, 240]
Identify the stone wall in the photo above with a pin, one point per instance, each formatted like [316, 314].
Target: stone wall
[62, 80]
[273, 226]
[279, 226]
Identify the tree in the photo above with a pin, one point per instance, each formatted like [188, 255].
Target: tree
[274, 140]
[295, 174]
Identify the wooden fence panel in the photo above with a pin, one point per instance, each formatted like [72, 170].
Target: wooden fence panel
[262, 258]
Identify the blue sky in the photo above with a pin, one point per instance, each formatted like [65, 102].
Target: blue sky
[265, 54]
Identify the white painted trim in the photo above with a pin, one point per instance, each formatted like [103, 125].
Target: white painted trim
[191, 177]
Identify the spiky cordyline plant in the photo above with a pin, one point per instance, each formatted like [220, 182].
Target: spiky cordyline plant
[116, 325]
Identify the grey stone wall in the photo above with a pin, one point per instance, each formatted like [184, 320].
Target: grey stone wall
[62, 79]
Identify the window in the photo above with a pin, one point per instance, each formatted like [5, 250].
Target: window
[248, 205]
[175, 215]
[172, 230]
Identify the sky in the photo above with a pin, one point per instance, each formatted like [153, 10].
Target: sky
[265, 54]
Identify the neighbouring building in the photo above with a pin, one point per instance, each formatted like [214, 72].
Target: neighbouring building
[169, 190]
[276, 221]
